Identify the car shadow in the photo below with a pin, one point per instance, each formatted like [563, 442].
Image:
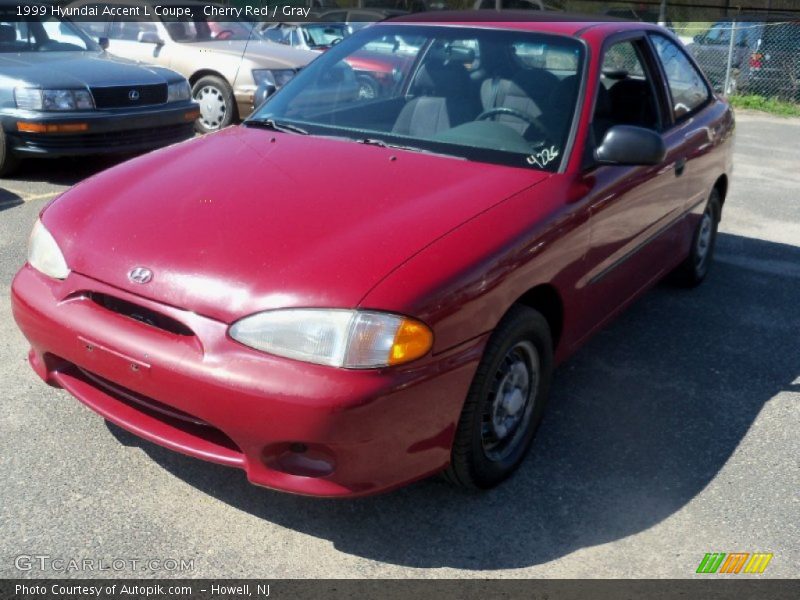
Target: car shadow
[63, 171]
[9, 199]
[640, 422]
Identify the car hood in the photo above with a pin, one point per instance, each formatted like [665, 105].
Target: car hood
[71, 69]
[247, 219]
[267, 54]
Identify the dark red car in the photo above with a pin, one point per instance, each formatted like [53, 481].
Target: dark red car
[344, 295]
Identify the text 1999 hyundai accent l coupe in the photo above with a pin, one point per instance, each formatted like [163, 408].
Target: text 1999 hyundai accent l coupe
[392, 304]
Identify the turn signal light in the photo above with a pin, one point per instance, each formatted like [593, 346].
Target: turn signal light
[27, 127]
[191, 115]
[412, 340]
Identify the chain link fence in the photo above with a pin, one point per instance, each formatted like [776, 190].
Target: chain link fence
[748, 57]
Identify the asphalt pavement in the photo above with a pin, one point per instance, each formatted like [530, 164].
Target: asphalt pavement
[672, 433]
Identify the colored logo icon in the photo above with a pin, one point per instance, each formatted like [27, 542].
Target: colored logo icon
[734, 563]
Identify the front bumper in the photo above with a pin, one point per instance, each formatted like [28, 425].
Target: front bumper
[106, 131]
[291, 426]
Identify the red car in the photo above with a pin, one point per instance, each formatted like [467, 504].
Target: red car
[344, 295]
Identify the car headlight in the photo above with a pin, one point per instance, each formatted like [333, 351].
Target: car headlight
[44, 255]
[179, 90]
[53, 100]
[351, 339]
[276, 77]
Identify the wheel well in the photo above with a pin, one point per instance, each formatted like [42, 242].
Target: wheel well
[721, 185]
[200, 74]
[545, 299]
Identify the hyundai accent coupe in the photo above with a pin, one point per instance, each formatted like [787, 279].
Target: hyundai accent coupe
[343, 294]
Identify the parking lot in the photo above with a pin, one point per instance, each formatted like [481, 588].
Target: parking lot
[673, 433]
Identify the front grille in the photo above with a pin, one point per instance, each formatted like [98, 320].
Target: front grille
[109, 140]
[140, 313]
[127, 96]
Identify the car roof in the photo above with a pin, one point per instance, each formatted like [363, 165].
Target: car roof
[547, 22]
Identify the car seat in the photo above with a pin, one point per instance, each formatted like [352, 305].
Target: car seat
[441, 90]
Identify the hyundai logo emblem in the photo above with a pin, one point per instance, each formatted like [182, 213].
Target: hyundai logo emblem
[140, 275]
[133, 95]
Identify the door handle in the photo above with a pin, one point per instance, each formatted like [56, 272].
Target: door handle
[680, 165]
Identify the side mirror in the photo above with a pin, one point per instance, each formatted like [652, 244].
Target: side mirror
[263, 91]
[103, 42]
[149, 37]
[630, 145]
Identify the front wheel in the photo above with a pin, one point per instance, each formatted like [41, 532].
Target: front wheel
[505, 403]
[217, 106]
[694, 269]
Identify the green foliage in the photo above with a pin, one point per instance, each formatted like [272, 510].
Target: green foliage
[770, 105]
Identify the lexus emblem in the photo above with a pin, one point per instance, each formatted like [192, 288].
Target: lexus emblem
[133, 95]
[140, 275]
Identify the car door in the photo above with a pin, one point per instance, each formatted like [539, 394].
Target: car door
[632, 209]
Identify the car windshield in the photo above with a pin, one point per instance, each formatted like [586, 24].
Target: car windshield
[489, 95]
[46, 35]
[201, 29]
[324, 34]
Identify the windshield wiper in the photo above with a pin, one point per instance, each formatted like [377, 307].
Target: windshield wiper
[384, 144]
[276, 126]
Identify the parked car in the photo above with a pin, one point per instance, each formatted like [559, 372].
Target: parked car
[764, 55]
[224, 61]
[315, 37]
[711, 48]
[358, 18]
[352, 294]
[374, 66]
[772, 67]
[61, 94]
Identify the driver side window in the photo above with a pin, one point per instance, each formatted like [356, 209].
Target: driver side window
[626, 95]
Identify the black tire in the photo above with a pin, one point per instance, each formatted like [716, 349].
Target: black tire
[217, 90]
[693, 271]
[476, 463]
[8, 161]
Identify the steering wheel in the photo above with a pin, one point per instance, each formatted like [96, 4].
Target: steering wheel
[513, 112]
[224, 34]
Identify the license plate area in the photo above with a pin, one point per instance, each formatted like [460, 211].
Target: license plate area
[115, 365]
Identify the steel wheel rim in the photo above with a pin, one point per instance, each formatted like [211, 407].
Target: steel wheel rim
[212, 106]
[511, 400]
[366, 91]
[704, 239]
